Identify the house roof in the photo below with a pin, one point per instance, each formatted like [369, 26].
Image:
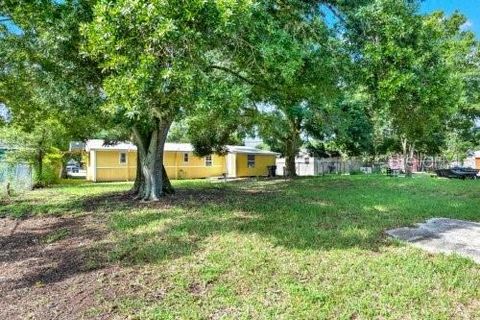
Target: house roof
[184, 147]
[76, 146]
[249, 150]
[98, 144]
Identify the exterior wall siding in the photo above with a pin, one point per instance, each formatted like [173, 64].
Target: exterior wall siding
[194, 168]
[109, 168]
[260, 168]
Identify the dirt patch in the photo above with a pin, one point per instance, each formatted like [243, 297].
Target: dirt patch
[59, 280]
[58, 268]
[186, 198]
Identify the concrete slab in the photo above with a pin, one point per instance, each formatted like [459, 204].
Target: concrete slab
[443, 235]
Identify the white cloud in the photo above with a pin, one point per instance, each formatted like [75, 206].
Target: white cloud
[467, 25]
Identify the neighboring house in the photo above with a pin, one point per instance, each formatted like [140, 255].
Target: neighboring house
[118, 162]
[307, 165]
[76, 146]
[253, 141]
[73, 166]
[473, 160]
[304, 163]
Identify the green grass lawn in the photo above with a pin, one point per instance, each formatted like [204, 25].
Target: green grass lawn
[311, 248]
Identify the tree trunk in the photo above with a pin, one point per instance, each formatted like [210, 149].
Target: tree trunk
[404, 154]
[411, 155]
[152, 181]
[167, 186]
[139, 178]
[39, 175]
[139, 185]
[290, 165]
[290, 154]
[291, 148]
[408, 153]
[62, 174]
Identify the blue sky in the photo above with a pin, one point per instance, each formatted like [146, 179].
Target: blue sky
[470, 8]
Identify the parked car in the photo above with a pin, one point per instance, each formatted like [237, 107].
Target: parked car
[458, 173]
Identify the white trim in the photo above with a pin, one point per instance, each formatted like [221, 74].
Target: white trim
[127, 168]
[231, 163]
[94, 163]
[249, 150]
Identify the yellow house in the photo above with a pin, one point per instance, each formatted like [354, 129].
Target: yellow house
[119, 162]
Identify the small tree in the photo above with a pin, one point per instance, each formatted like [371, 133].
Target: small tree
[38, 146]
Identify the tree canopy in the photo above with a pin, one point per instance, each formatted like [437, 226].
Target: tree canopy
[343, 76]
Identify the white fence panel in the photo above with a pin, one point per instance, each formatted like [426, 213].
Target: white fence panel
[16, 177]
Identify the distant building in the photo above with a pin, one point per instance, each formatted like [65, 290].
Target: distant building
[77, 146]
[305, 165]
[253, 142]
[472, 160]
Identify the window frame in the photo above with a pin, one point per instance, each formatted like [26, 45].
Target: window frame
[209, 161]
[120, 157]
[186, 156]
[250, 161]
[307, 160]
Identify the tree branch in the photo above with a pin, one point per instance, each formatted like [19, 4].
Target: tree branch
[234, 73]
[139, 140]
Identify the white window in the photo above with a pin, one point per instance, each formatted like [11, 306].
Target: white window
[307, 160]
[251, 161]
[185, 157]
[123, 157]
[208, 161]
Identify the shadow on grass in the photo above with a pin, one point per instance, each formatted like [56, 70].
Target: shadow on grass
[307, 214]
[30, 257]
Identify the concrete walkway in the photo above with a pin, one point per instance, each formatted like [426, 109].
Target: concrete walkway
[443, 235]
